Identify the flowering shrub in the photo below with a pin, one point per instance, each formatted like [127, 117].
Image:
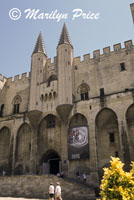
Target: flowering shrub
[116, 183]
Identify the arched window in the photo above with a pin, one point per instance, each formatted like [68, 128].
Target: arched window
[16, 104]
[51, 78]
[83, 90]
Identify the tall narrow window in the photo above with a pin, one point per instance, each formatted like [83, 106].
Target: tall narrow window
[111, 138]
[102, 93]
[122, 65]
[16, 104]
[16, 108]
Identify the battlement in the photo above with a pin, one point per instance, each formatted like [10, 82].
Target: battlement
[18, 78]
[49, 61]
[117, 48]
[3, 79]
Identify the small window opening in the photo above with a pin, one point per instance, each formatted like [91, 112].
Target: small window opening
[122, 65]
[84, 96]
[51, 123]
[111, 137]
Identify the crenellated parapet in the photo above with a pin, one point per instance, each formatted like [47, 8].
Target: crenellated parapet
[97, 56]
[18, 78]
[49, 61]
[3, 79]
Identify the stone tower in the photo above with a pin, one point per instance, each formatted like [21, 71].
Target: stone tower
[132, 10]
[38, 62]
[64, 67]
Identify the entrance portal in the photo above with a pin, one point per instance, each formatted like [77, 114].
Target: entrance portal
[51, 163]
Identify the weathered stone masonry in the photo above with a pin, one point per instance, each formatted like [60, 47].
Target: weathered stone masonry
[37, 110]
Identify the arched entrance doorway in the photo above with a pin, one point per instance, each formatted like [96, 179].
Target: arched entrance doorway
[51, 163]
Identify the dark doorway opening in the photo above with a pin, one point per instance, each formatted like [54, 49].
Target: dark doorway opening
[51, 163]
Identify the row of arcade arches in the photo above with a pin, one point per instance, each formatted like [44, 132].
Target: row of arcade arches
[107, 140]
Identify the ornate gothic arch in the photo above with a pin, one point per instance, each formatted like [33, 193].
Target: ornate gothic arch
[17, 99]
[78, 120]
[83, 87]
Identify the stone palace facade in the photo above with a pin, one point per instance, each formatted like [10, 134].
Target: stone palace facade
[68, 115]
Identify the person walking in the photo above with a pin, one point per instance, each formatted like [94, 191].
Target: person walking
[58, 191]
[84, 177]
[51, 191]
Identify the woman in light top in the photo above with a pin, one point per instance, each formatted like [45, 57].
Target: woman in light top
[58, 191]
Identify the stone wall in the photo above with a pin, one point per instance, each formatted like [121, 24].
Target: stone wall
[37, 187]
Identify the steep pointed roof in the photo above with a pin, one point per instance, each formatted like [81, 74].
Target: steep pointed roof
[64, 37]
[39, 47]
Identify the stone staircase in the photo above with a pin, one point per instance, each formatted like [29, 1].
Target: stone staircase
[32, 186]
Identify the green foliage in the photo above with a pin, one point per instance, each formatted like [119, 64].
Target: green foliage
[116, 183]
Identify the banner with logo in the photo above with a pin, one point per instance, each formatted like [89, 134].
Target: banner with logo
[78, 145]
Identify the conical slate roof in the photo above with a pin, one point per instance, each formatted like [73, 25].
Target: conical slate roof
[39, 47]
[64, 37]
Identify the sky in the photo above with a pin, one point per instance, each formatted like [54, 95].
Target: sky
[18, 37]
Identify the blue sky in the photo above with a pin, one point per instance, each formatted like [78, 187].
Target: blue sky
[18, 37]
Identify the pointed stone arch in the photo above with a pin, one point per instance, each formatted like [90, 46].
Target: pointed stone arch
[17, 99]
[78, 120]
[51, 78]
[5, 148]
[23, 145]
[107, 136]
[50, 162]
[48, 134]
[78, 143]
[130, 128]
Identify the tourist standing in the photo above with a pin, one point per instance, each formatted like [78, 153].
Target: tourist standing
[51, 192]
[58, 191]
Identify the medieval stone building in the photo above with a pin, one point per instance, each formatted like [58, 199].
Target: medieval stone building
[68, 115]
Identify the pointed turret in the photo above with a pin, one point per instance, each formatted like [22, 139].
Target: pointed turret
[38, 64]
[64, 69]
[40, 47]
[64, 37]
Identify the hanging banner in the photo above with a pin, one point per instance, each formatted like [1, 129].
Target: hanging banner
[78, 145]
